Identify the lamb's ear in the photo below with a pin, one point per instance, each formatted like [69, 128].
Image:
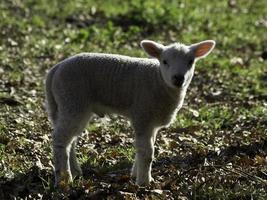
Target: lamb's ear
[202, 49]
[152, 48]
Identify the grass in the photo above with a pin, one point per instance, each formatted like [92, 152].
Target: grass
[216, 149]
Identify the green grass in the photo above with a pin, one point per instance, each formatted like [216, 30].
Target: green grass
[216, 149]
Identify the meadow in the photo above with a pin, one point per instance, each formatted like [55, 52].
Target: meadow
[217, 147]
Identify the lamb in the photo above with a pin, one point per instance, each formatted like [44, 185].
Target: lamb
[148, 91]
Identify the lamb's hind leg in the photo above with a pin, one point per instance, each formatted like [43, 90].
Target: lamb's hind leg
[134, 168]
[74, 164]
[64, 136]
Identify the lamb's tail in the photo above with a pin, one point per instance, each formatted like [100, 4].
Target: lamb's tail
[51, 105]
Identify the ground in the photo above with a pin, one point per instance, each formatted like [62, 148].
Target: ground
[217, 147]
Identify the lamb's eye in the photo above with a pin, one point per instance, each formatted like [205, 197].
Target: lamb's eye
[164, 62]
[190, 63]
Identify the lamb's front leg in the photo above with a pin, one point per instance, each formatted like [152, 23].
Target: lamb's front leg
[134, 168]
[144, 144]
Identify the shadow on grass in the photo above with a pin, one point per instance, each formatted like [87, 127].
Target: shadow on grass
[33, 183]
[104, 181]
[38, 183]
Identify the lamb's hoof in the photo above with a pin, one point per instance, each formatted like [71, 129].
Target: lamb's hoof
[63, 186]
[62, 182]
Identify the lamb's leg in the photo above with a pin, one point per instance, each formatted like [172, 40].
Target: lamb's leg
[144, 143]
[64, 141]
[74, 164]
[62, 138]
[134, 168]
[145, 154]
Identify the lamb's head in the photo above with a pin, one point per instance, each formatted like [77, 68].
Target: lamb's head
[177, 61]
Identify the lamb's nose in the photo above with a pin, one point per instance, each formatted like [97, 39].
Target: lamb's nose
[178, 80]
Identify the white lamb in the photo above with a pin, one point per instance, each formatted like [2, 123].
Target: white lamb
[147, 91]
